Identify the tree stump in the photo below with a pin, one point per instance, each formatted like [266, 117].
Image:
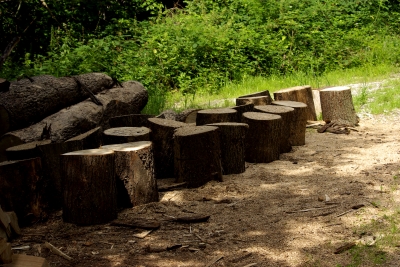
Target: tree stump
[262, 93]
[197, 155]
[299, 94]
[242, 109]
[89, 186]
[286, 113]
[264, 136]
[298, 123]
[21, 188]
[232, 140]
[25, 151]
[207, 116]
[162, 133]
[126, 134]
[317, 103]
[134, 168]
[90, 139]
[337, 106]
[131, 120]
[188, 116]
[256, 100]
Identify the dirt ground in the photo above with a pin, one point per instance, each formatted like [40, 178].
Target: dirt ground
[257, 218]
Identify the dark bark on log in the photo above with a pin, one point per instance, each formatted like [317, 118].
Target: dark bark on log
[4, 86]
[21, 188]
[134, 168]
[90, 139]
[29, 102]
[89, 186]
[122, 135]
[337, 105]
[256, 100]
[25, 151]
[232, 140]
[287, 116]
[243, 109]
[263, 137]
[197, 155]
[162, 133]
[188, 116]
[131, 120]
[207, 116]
[299, 121]
[299, 94]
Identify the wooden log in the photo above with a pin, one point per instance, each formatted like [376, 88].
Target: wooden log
[207, 116]
[262, 93]
[25, 151]
[89, 186]
[131, 120]
[90, 139]
[21, 260]
[21, 190]
[286, 113]
[299, 94]
[263, 137]
[256, 100]
[188, 116]
[134, 168]
[4, 86]
[197, 155]
[29, 102]
[299, 121]
[162, 133]
[337, 105]
[232, 141]
[243, 109]
[122, 135]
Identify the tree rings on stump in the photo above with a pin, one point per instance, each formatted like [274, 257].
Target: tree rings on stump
[197, 155]
[298, 123]
[162, 133]
[207, 116]
[89, 186]
[263, 137]
[286, 113]
[337, 106]
[134, 168]
[232, 136]
[131, 120]
[25, 151]
[122, 135]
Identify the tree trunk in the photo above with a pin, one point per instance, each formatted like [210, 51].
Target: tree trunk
[90, 139]
[263, 137]
[207, 116]
[162, 133]
[25, 151]
[29, 102]
[89, 186]
[131, 120]
[243, 109]
[337, 106]
[287, 116]
[197, 155]
[299, 94]
[122, 135]
[298, 123]
[134, 168]
[256, 100]
[232, 141]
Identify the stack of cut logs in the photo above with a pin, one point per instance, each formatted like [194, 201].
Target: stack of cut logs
[87, 149]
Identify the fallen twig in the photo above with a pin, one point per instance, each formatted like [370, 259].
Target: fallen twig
[310, 209]
[343, 213]
[56, 251]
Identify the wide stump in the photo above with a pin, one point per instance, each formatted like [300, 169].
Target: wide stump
[197, 155]
[122, 135]
[263, 137]
[207, 116]
[286, 113]
[25, 151]
[89, 186]
[134, 168]
[298, 123]
[232, 136]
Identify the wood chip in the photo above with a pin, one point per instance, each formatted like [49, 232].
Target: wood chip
[56, 251]
[143, 234]
[214, 260]
[345, 247]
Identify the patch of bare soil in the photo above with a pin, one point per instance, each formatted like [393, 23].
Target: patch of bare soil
[272, 215]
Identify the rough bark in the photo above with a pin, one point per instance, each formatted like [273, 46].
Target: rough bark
[162, 133]
[187, 116]
[25, 151]
[29, 102]
[89, 186]
[197, 155]
[90, 139]
[134, 168]
[263, 137]
[122, 135]
[299, 94]
[286, 113]
[298, 123]
[256, 100]
[131, 120]
[243, 109]
[232, 141]
[337, 105]
[207, 116]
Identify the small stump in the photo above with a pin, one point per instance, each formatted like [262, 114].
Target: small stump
[286, 113]
[337, 106]
[243, 109]
[207, 116]
[25, 151]
[89, 186]
[131, 120]
[122, 135]
[134, 167]
[232, 136]
[264, 137]
[197, 155]
[298, 123]
[163, 144]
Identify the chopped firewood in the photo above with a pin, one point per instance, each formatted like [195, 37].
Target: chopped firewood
[56, 251]
[192, 218]
[137, 223]
[214, 260]
[311, 209]
[143, 234]
[171, 187]
[20, 260]
[5, 251]
[345, 247]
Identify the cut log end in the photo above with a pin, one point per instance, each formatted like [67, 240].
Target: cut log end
[261, 116]
[292, 104]
[25, 151]
[89, 152]
[133, 146]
